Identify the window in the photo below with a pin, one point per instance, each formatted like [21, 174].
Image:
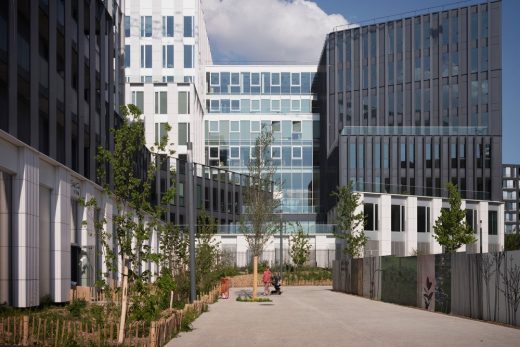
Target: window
[235, 105]
[255, 105]
[188, 56]
[188, 26]
[295, 105]
[423, 219]
[297, 152]
[472, 219]
[146, 56]
[184, 134]
[167, 56]
[127, 55]
[161, 132]
[181, 193]
[403, 155]
[295, 79]
[255, 126]
[213, 126]
[234, 126]
[161, 102]
[275, 105]
[296, 126]
[214, 105]
[276, 152]
[127, 26]
[492, 223]
[275, 79]
[213, 152]
[234, 152]
[371, 214]
[184, 102]
[138, 100]
[276, 126]
[167, 79]
[398, 218]
[146, 26]
[167, 26]
[252, 152]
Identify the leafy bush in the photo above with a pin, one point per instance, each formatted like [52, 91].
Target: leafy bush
[76, 307]
[187, 319]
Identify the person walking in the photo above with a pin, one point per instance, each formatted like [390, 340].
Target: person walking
[266, 278]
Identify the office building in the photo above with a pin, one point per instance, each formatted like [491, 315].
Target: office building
[410, 104]
[60, 91]
[510, 191]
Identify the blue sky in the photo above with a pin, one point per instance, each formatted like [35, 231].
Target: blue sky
[293, 31]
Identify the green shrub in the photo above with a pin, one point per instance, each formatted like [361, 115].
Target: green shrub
[76, 307]
[187, 319]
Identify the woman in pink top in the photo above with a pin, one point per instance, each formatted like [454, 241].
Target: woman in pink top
[266, 278]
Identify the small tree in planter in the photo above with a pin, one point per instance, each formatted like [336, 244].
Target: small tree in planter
[300, 247]
[451, 229]
[350, 223]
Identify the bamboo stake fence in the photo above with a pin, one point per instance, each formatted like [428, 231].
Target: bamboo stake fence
[33, 330]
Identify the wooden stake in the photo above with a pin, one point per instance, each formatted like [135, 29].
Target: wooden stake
[171, 299]
[255, 275]
[124, 303]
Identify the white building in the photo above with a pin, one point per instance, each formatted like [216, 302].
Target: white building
[166, 51]
[402, 225]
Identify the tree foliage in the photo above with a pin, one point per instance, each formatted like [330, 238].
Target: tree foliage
[451, 229]
[207, 251]
[300, 247]
[512, 241]
[350, 224]
[136, 217]
[259, 221]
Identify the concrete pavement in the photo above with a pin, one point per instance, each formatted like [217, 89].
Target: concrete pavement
[316, 316]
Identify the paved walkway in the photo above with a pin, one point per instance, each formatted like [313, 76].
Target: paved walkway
[316, 316]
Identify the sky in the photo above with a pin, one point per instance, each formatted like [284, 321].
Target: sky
[293, 31]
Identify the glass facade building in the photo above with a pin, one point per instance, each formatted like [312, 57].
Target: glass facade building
[243, 100]
[413, 103]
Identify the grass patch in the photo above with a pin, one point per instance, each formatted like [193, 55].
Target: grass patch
[250, 299]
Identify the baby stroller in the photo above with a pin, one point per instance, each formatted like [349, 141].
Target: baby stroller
[275, 281]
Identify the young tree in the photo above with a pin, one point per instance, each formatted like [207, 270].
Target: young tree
[300, 247]
[136, 217]
[350, 223]
[207, 250]
[451, 229]
[259, 221]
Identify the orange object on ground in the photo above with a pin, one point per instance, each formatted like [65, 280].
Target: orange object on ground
[225, 283]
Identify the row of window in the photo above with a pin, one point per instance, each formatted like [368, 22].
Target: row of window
[183, 133]
[167, 56]
[259, 105]
[146, 26]
[423, 31]
[296, 152]
[432, 158]
[161, 101]
[259, 82]
[398, 219]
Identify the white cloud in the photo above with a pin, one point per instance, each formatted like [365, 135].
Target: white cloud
[268, 31]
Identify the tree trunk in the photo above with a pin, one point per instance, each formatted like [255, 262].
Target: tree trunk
[255, 275]
[124, 304]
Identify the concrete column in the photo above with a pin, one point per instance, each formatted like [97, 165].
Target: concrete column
[385, 243]
[25, 236]
[501, 227]
[462, 207]
[435, 248]
[5, 234]
[60, 239]
[483, 214]
[411, 226]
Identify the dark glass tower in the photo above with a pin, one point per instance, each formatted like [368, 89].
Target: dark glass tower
[61, 76]
[413, 103]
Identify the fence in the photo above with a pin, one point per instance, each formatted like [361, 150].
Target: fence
[317, 258]
[480, 286]
[32, 330]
